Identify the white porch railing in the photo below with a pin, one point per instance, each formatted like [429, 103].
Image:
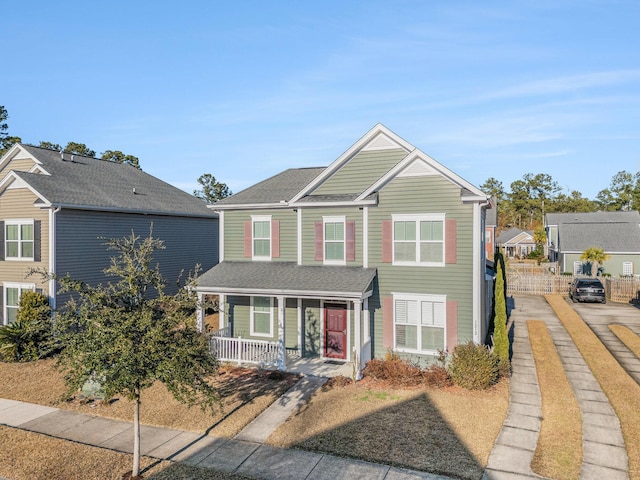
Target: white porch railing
[240, 350]
[222, 332]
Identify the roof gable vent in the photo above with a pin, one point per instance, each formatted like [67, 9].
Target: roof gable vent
[417, 168]
[381, 142]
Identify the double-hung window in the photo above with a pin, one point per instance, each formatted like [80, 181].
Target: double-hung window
[418, 239]
[261, 237]
[334, 240]
[18, 239]
[261, 317]
[419, 323]
[12, 293]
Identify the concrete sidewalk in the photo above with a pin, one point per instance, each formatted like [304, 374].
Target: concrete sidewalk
[604, 453]
[248, 458]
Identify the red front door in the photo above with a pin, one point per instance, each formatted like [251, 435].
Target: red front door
[335, 332]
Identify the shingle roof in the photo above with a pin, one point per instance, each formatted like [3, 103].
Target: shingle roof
[283, 186]
[508, 235]
[593, 217]
[90, 183]
[623, 237]
[287, 278]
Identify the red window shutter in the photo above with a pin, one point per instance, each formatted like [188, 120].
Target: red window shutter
[387, 322]
[275, 238]
[319, 241]
[248, 239]
[350, 238]
[450, 254]
[387, 241]
[452, 325]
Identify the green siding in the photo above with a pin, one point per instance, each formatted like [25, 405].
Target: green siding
[415, 195]
[312, 215]
[613, 266]
[361, 171]
[234, 234]
[291, 323]
[312, 328]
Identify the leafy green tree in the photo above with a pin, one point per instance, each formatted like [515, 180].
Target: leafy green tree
[573, 202]
[30, 336]
[129, 334]
[119, 157]
[6, 141]
[493, 188]
[596, 257]
[623, 193]
[500, 337]
[50, 146]
[73, 148]
[212, 190]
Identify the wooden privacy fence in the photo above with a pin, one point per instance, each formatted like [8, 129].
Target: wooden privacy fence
[619, 289]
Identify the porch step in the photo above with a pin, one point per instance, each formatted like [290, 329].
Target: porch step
[280, 410]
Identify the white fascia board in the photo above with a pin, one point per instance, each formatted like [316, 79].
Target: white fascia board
[351, 203]
[346, 156]
[286, 293]
[249, 206]
[437, 166]
[12, 152]
[12, 178]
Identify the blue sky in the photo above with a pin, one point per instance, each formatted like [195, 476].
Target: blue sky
[246, 89]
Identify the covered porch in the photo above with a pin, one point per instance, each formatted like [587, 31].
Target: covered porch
[305, 319]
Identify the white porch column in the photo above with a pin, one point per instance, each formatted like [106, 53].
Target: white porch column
[282, 353]
[223, 321]
[300, 326]
[200, 313]
[357, 337]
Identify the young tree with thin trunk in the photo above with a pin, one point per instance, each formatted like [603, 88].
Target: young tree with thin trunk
[128, 334]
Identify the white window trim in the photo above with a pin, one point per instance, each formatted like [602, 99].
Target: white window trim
[261, 218]
[420, 298]
[252, 324]
[424, 217]
[627, 266]
[19, 222]
[21, 287]
[334, 219]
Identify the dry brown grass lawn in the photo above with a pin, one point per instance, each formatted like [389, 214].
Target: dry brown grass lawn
[448, 431]
[30, 456]
[245, 394]
[626, 336]
[623, 392]
[559, 451]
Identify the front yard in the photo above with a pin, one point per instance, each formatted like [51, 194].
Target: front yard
[442, 430]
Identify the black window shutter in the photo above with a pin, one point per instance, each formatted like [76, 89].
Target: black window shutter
[37, 240]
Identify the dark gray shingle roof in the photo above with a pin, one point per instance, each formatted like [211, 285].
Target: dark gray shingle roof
[287, 277]
[283, 186]
[510, 234]
[593, 217]
[622, 237]
[103, 185]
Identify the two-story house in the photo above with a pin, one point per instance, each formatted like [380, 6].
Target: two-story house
[57, 210]
[383, 249]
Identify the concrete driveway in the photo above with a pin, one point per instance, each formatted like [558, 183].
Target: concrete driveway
[599, 317]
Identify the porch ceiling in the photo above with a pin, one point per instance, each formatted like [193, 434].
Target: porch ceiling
[288, 279]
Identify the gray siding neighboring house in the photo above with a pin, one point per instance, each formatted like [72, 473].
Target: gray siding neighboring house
[383, 249]
[617, 233]
[57, 210]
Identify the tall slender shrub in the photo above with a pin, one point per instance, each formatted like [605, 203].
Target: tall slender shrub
[500, 338]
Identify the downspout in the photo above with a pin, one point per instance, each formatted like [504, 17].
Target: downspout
[52, 255]
[478, 268]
